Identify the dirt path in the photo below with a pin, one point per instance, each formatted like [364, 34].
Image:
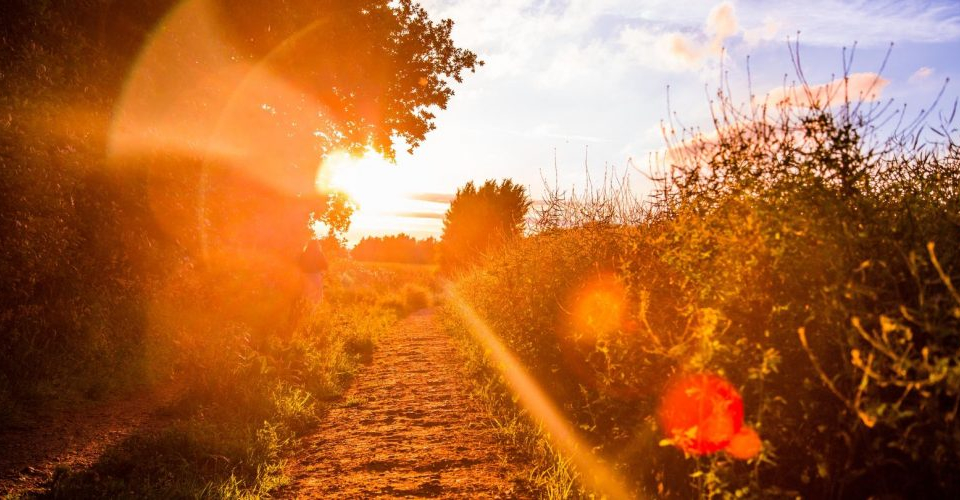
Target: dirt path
[407, 429]
[74, 438]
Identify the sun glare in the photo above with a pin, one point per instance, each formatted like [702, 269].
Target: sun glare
[382, 192]
[362, 179]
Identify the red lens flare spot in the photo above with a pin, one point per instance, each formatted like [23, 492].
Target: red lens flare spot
[701, 413]
[745, 444]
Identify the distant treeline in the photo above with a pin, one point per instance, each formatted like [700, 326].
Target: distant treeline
[397, 248]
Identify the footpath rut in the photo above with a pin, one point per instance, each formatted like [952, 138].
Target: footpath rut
[407, 429]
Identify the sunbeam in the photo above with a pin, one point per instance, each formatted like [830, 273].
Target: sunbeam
[593, 470]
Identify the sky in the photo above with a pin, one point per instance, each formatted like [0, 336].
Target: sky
[581, 86]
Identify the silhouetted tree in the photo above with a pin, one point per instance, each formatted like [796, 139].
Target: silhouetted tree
[480, 219]
[335, 215]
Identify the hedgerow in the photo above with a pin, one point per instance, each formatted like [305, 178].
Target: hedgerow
[805, 252]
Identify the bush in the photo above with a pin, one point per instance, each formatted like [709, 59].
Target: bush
[794, 252]
[398, 248]
[415, 298]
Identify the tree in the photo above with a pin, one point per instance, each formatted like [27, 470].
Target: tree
[335, 216]
[327, 74]
[87, 240]
[480, 220]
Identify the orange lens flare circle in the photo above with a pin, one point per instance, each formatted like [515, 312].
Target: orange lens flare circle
[594, 309]
[703, 413]
[595, 312]
[599, 306]
[745, 444]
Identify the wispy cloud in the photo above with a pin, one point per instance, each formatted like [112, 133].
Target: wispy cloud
[433, 197]
[691, 50]
[551, 130]
[762, 33]
[722, 24]
[421, 215]
[519, 37]
[869, 22]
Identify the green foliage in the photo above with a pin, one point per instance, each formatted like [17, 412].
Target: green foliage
[795, 252]
[481, 219]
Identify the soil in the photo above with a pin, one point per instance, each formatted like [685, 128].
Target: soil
[74, 438]
[407, 428]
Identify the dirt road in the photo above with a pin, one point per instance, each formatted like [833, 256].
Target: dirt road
[407, 428]
[75, 438]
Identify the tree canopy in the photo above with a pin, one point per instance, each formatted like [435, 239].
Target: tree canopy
[377, 66]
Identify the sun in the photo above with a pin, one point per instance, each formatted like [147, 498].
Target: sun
[387, 197]
[365, 179]
[381, 191]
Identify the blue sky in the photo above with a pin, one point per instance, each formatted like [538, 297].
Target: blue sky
[589, 78]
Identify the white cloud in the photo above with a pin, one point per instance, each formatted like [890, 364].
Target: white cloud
[558, 42]
[722, 21]
[682, 51]
[765, 32]
[921, 74]
[646, 48]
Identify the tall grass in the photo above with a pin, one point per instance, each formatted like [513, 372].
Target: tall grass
[797, 251]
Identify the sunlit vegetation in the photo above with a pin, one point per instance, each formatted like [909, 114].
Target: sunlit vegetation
[799, 262]
[246, 404]
[119, 223]
[779, 317]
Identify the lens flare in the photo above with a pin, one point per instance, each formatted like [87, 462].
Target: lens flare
[702, 413]
[598, 307]
[594, 471]
[745, 444]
